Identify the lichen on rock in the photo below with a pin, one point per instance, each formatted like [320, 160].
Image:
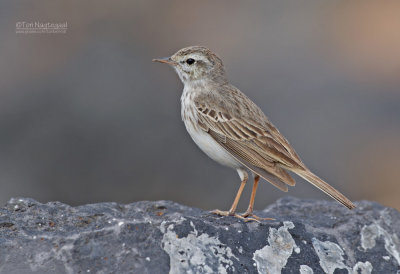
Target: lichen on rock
[165, 237]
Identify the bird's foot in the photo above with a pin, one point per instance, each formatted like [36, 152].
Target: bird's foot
[251, 215]
[233, 214]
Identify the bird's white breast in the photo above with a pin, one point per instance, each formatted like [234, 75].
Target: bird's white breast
[202, 139]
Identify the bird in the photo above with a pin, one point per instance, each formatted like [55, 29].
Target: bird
[232, 130]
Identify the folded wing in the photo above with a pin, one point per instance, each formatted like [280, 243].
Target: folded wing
[247, 135]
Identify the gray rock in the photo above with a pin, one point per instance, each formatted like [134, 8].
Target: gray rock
[160, 237]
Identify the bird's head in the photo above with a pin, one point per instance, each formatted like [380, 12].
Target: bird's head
[195, 64]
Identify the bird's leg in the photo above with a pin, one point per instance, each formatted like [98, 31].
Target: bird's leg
[249, 211]
[236, 201]
[232, 212]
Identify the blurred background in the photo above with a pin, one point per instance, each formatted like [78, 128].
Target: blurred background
[86, 116]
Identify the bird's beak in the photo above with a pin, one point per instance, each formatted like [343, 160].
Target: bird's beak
[166, 60]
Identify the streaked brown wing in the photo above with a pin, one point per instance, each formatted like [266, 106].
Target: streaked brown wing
[245, 132]
[265, 143]
[254, 145]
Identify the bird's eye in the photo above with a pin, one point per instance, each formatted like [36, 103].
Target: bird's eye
[190, 61]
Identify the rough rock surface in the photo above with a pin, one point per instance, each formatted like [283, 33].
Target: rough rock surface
[160, 237]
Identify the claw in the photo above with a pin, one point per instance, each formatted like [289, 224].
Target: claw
[247, 217]
[222, 213]
[255, 217]
[226, 213]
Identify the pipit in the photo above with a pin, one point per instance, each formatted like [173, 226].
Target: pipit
[233, 130]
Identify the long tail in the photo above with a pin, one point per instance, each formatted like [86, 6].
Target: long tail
[325, 187]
